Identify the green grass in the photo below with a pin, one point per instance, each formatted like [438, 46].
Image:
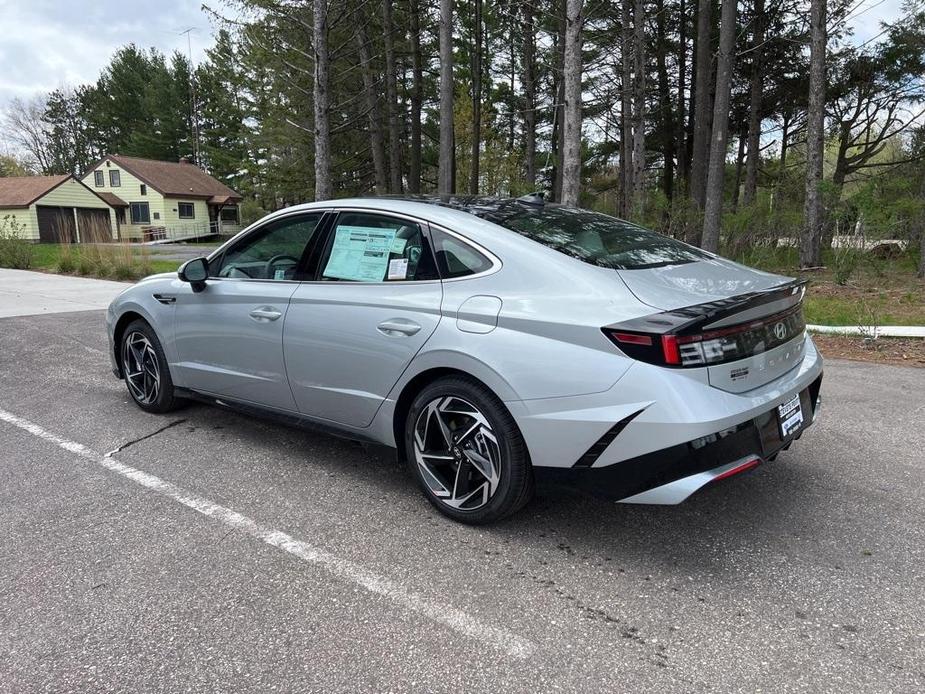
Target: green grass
[124, 262]
[833, 310]
[867, 291]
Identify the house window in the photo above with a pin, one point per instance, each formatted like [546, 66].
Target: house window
[144, 189]
[230, 214]
[141, 213]
[98, 179]
[186, 210]
[114, 179]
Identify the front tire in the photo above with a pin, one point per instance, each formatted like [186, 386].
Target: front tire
[145, 369]
[466, 452]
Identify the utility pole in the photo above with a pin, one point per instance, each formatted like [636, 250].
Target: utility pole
[193, 106]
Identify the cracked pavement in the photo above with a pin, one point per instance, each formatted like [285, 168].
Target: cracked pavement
[806, 575]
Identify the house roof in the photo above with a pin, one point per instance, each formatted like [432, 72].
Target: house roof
[22, 191]
[175, 179]
[111, 199]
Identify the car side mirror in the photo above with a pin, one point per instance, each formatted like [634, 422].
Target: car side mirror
[195, 271]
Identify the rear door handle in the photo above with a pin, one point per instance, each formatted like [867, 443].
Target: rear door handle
[396, 327]
[265, 314]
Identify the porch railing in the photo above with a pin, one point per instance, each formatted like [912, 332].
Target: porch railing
[187, 232]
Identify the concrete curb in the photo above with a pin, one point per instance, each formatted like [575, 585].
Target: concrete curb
[876, 331]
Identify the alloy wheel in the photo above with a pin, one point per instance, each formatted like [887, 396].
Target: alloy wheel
[142, 373]
[457, 453]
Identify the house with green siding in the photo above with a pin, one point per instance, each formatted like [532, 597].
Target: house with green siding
[156, 200]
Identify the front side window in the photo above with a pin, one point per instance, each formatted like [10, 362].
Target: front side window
[98, 179]
[457, 259]
[115, 179]
[141, 213]
[270, 253]
[375, 248]
[186, 210]
[593, 237]
[230, 214]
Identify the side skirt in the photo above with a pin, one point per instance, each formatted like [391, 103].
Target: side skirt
[290, 419]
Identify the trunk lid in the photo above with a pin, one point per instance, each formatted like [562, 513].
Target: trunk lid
[744, 326]
[678, 286]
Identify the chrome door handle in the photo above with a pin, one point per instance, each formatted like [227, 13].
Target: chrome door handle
[265, 314]
[398, 326]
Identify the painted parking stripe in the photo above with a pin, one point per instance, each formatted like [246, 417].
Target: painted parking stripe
[457, 620]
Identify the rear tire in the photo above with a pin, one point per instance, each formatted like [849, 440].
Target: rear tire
[145, 370]
[466, 452]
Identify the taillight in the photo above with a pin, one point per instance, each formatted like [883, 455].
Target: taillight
[631, 339]
[670, 348]
[691, 348]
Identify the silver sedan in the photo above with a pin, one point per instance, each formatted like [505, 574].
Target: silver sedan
[494, 343]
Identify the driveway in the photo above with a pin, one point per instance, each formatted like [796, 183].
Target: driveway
[204, 550]
[24, 293]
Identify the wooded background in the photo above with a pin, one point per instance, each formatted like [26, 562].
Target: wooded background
[729, 124]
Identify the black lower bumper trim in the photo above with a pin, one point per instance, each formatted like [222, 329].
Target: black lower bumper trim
[759, 436]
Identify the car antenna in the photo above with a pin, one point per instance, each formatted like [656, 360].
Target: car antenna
[536, 198]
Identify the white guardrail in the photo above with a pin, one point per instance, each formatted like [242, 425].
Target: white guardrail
[870, 331]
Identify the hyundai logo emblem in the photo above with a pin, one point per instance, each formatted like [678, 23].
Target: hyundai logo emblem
[780, 331]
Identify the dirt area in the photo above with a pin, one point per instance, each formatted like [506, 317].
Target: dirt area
[898, 351]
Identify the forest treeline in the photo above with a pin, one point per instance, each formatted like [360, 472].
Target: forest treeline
[723, 122]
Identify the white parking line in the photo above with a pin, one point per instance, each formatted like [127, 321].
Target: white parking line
[457, 620]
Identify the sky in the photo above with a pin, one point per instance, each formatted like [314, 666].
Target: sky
[46, 44]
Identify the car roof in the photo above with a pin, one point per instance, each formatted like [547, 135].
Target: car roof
[436, 208]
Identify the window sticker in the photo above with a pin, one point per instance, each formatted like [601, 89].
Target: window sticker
[398, 268]
[360, 254]
[398, 246]
[279, 274]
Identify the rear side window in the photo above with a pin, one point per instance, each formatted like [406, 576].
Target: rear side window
[455, 258]
[594, 238]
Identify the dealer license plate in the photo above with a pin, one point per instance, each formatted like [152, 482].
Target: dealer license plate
[790, 416]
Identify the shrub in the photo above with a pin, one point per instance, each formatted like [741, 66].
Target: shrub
[844, 264]
[66, 261]
[87, 266]
[15, 250]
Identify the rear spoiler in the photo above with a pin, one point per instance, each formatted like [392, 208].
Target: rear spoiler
[714, 314]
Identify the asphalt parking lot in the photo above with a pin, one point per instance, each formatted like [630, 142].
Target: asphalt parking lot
[204, 550]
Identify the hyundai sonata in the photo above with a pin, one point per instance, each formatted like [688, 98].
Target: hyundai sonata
[492, 342]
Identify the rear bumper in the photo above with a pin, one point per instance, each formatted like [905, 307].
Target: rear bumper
[669, 475]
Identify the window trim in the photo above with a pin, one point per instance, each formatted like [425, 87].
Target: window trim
[192, 205]
[218, 255]
[317, 277]
[325, 226]
[99, 179]
[118, 175]
[132, 215]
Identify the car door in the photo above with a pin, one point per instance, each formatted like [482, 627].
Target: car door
[374, 302]
[229, 336]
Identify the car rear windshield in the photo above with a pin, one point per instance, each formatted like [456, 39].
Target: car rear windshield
[595, 238]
